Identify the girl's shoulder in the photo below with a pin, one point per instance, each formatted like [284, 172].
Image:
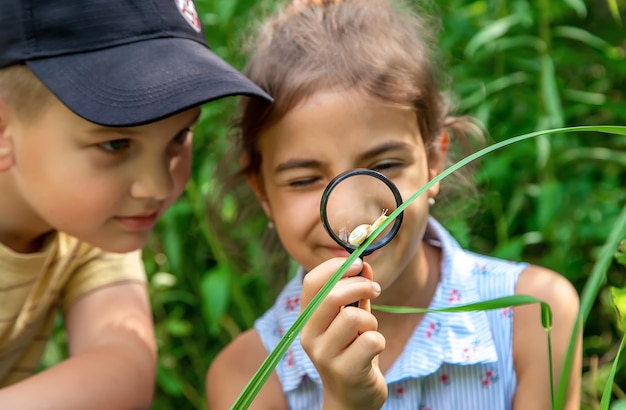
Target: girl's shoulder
[233, 368]
[550, 287]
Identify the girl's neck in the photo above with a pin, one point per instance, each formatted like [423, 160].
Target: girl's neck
[416, 285]
[415, 288]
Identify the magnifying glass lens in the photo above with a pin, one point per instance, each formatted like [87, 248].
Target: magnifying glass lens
[355, 203]
[355, 207]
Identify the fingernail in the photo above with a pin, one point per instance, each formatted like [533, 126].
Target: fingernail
[357, 262]
[376, 287]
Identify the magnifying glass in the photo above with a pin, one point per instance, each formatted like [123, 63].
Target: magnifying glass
[352, 206]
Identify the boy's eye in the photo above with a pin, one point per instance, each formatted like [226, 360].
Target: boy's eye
[114, 146]
[182, 136]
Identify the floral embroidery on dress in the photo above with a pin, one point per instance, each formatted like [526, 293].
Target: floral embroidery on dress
[424, 407]
[290, 358]
[400, 390]
[479, 269]
[507, 312]
[292, 303]
[488, 377]
[455, 296]
[433, 329]
[467, 352]
[444, 378]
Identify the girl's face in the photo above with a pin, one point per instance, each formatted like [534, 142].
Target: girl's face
[330, 133]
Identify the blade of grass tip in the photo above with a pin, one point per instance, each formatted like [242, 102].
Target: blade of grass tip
[491, 304]
[268, 365]
[608, 387]
[497, 303]
[550, 370]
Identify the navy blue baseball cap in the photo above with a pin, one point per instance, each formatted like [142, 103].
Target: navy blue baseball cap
[119, 62]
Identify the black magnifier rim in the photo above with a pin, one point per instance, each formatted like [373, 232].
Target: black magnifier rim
[324, 204]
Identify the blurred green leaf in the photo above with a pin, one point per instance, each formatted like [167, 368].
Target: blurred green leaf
[494, 31]
[578, 6]
[620, 254]
[214, 289]
[619, 303]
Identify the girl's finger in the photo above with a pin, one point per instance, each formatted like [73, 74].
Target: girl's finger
[315, 279]
[346, 291]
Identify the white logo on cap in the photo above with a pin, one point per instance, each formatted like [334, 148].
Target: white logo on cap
[188, 10]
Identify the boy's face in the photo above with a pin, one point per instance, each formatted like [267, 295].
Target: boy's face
[106, 186]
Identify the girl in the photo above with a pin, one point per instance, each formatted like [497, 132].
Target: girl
[355, 87]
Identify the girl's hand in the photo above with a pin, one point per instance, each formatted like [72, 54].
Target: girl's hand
[342, 341]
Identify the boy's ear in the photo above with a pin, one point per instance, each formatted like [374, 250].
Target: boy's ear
[256, 183]
[6, 144]
[437, 155]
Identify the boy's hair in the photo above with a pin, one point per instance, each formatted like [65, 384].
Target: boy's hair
[118, 62]
[22, 91]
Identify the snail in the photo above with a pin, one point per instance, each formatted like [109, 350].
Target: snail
[361, 232]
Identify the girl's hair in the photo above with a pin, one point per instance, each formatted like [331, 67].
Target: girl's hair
[382, 49]
[22, 91]
[379, 48]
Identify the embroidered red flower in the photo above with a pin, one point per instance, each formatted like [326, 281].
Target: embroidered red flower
[433, 328]
[455, 296]
[292, 303]
[488, 377]
[290, 359]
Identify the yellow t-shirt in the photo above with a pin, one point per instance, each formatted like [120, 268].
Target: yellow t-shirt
[34, 286]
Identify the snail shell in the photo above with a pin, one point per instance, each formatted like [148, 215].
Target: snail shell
[361, 232]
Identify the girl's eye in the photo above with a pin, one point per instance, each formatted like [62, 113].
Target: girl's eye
[387, 166]
[114, 146]
[303, 182]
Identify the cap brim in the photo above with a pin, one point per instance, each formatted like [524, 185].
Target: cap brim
[141, 82]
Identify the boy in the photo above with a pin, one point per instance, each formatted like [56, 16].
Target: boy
[97, 101]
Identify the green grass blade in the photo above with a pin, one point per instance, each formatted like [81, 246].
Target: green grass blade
[269, 364]
[588, 297]
[497, 303]
[606, 394]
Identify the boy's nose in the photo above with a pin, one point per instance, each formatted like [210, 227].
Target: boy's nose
[153, 181]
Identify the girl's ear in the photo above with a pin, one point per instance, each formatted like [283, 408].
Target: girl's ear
[437, 155]
[6, 144]
[256, 183]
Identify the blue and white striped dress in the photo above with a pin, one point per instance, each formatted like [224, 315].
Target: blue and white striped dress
[455, 361]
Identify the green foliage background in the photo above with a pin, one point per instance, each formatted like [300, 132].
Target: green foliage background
[518, 66]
